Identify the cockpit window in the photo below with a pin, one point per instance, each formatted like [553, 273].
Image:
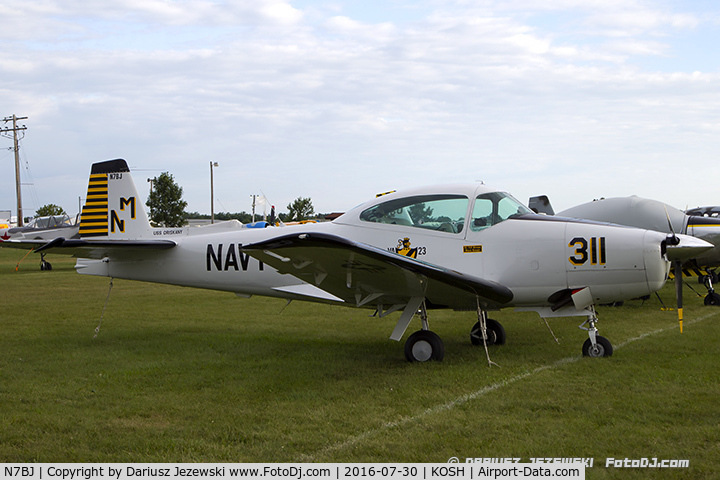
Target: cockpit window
[445, 213]
[52, 221]
[493, 208]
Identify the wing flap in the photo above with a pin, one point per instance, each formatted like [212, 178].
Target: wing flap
[363, 274]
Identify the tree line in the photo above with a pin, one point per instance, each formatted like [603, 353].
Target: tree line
[167, 207]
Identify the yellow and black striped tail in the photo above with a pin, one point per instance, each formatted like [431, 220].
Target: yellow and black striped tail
[95, 217]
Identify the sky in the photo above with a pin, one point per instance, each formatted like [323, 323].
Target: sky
[338, 100]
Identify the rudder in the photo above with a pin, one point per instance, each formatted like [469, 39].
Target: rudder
[113, 208]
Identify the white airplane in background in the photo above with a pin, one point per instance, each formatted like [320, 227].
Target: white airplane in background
[650, 214]
[465, 247]
[42, 229]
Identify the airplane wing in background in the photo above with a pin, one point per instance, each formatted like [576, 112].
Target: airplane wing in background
[25, 243]
[361, 274]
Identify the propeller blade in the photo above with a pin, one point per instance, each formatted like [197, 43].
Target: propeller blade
[670, 225]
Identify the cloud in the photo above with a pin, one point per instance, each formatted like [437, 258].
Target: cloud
[335, 107]
[632, 22]
[81, 20]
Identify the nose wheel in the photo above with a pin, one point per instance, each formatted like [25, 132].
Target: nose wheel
[602, 347]
[712, 298]
[595, 346]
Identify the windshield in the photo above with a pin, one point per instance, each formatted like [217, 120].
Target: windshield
[493, 208]
[445, 213]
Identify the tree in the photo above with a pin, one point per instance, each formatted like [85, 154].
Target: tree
[242, 217]
[420, 213]
[300, 209]
[167, 208]
[49, 209]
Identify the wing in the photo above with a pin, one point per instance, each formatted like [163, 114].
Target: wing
[361, 274]
[25, 243]
[95, 249]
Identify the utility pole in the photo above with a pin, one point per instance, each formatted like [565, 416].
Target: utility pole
[151, 181]
[253, 208]
[5, 131]
[212, 192]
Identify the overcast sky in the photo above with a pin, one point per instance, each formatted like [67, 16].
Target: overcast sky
[338, 100]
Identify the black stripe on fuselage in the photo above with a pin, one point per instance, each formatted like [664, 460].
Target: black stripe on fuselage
[549, 218]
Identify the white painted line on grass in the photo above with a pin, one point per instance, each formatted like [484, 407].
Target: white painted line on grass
[355, 439]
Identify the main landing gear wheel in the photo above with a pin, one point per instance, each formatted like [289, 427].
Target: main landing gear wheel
[602, 348]
[44, 264]
[712, 299]
[423, 346]
[495, 333]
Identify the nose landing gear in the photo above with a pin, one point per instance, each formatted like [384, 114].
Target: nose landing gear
[595, 346]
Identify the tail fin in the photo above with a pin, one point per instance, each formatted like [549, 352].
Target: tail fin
[113, 209]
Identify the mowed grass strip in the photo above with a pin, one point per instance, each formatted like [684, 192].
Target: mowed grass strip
[186, 375]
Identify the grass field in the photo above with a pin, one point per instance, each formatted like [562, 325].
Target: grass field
[185, 375]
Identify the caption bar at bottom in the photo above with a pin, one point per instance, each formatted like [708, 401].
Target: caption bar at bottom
[287, 471]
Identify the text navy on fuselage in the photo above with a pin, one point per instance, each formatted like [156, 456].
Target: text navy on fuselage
[214, 258]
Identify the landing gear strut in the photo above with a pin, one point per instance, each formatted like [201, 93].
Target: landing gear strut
[595, 346]
[44, 264]
[486, 332]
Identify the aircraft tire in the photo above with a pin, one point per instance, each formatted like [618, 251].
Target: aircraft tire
[496, 333]
[712, 299]
[423, 346]
[603, 349]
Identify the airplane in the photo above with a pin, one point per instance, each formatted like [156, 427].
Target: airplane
[39, 231]
[467, 247]
[707, 276]
[711, 211]
[650, 214]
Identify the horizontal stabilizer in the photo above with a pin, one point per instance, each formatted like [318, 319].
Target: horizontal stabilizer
[100, 248]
